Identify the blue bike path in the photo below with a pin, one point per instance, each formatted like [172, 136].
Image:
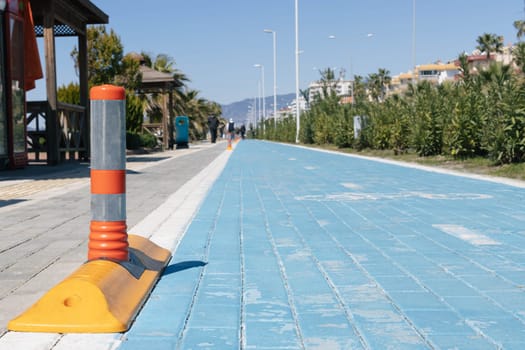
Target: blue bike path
[295, 248]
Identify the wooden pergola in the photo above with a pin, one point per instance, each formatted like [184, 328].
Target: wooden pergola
[155, 82]
[66, 132]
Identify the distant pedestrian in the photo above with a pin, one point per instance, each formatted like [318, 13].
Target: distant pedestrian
[213, 124]
[231, 133]
[231, 130]
[243, 131]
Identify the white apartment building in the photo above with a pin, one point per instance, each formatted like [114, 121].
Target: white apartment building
[293, 106]
[341, 87]
[438, 72]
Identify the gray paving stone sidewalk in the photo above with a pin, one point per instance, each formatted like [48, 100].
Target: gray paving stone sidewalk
[43, 236]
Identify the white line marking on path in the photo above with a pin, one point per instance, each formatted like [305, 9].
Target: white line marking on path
[356, 196]
[466, 234]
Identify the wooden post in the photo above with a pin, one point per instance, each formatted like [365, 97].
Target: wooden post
[52, 124]
[84, 93]
[165, 116]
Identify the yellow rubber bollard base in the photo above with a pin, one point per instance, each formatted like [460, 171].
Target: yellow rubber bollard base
[99, 297]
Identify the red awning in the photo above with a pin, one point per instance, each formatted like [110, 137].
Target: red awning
[32, 66]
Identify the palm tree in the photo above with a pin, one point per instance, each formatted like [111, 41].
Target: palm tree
[163, 63]
[179, 89]
[373, 86]
[166, 64]
[197, 109]
[489, 43]
[359, 89]
[520, 27]
[385, 79]
[378, 83]
[306, 95]
[327, 82]
[327, 75]
[519, 55]
[214, 109]
[464, 67]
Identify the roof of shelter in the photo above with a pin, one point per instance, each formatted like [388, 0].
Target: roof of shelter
[150, 75]
[70, 15]
[153, 80]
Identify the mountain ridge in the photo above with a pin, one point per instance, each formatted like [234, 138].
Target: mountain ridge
[240, 111]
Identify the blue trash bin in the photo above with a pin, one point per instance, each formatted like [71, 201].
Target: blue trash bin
[182, 125]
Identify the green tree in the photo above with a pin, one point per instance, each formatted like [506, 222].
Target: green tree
[69, 94]
[134, 108]
[518, 52]
[400, 126]
[327, 75]
[214, 108]
[107, 65]
[506, 113]
[306, 95]
[428, 121]
[519, 55]
[467, 127]
[165, 64]
[359, 90]
[105, 53]
[129, 73]
[464, 67]
[520, 28]
[197, 109]
[344, 127]
[497, 76]
[327, 83]
[378, 84]
[489, 43]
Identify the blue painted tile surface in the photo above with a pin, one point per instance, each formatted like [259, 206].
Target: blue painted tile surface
[299, 249]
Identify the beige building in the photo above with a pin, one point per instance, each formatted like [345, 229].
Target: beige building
[438, 72]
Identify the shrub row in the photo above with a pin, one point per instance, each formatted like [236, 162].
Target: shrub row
[482, 115]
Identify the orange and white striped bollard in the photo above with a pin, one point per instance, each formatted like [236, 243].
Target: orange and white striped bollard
[108, 238]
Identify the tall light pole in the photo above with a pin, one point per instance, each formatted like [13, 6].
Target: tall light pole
[259, 102]
[297, 112]
[274, 76]
[414, 43]
[263, 95]
[255, 99]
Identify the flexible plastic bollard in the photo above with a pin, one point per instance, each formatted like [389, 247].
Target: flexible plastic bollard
[108, 236]
[105, 294]
[229, 147]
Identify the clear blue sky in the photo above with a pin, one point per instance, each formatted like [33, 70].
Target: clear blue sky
[217, 42]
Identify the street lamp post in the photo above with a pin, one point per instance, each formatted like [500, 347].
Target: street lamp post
[259, 103]
[254, 116]
[263, 95]
[274, 76]
[297, 112]
[414, 42]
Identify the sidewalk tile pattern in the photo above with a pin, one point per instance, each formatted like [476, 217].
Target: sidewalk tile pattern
[300, 249]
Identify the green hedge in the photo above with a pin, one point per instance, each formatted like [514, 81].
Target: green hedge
[136, 141]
